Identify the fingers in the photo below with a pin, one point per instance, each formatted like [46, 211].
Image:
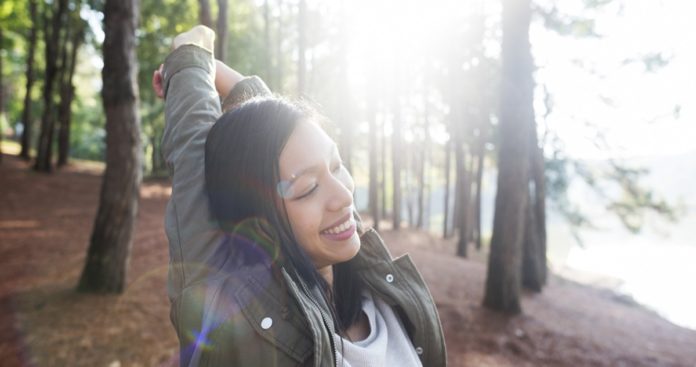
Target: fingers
[199, 35]
[157, 83]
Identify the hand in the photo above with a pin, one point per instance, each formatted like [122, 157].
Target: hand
[157, 81]
[199, 35]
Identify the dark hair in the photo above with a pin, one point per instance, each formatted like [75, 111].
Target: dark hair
[242, 172]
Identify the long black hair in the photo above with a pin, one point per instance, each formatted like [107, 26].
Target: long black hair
[242, 172]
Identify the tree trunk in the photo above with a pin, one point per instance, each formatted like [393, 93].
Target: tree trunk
[204, 13]
[267, 46]
[463, 198]
[51, 35]
[396, 163]
[222, 31]
[2, 95]
[421, 165]
[540, 209]
[107, 258]
[26, 111]
[409, 148]
[480, 155]
[534, 260]
[67, 94]
[448, 164]
[279, 50]
[301, 48]
[503, 281]
[383, 165]
[372, 151]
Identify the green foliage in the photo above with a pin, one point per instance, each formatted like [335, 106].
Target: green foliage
[652, 61]
[635, 200]
[616, 185]
[87, 136]
[160, 21]
[567, 25]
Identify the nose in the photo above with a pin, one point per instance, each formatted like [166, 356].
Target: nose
[340, 192]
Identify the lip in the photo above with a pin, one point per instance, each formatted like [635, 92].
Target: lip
[348, 233]
[334, 224]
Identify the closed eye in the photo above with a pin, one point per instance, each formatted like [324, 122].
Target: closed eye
[308, 193]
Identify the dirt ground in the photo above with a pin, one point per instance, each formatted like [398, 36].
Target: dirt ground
[45, 224]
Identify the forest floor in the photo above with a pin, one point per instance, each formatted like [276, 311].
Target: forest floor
[45, 224]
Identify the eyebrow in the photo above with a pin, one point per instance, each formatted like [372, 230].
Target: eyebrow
[298, 174]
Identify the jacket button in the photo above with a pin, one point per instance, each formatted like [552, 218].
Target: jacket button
[390, 278]
[419, 350]
[266, 323]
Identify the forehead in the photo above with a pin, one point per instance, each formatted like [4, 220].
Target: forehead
[308, 145]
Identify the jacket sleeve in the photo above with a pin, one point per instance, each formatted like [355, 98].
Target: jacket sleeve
[191, 108]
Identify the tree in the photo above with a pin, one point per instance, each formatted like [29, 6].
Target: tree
[74, 35]
[109, 249]
[372, 153]
[396, 155]
[222, 30]
[534, 249]
[2, 95]
[448, 166]
[301, 48]
[53, 19]
[26, 111]
[480, 155]
[503, 281]
[422, 157]
[204, 13]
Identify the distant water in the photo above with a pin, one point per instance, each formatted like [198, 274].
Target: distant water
[659, 276]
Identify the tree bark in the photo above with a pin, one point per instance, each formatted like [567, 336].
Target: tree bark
[26, 111]
[420, 221]
[279, 50]
[204, 13]
[2, 95]
[396, 162]
[463, 195]
[480, 155]
[534, 266]
[372, 151]
[52, 36]
[222, 31]
[109, 250]
[503, 281]
[301, 48]
[448, 164]
[383, 167]
[268, 48]
[67, 93]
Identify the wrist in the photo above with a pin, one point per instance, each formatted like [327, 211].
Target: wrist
[225, 78]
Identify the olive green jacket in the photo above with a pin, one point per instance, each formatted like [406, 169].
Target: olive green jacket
[228, 314]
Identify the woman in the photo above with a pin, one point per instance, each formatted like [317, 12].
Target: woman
[269, 262]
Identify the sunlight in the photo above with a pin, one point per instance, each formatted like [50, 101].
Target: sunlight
[603, 82]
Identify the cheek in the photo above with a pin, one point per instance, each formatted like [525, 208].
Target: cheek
[304, 220]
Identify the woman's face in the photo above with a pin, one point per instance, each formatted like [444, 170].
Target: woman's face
[318, 195]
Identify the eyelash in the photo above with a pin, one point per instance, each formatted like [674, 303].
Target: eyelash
[314, 188]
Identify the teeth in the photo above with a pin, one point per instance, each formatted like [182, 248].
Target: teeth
[340, 228]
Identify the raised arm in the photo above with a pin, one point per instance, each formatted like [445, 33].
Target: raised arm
[192, 105]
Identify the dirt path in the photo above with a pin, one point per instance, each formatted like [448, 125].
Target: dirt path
[45, 223]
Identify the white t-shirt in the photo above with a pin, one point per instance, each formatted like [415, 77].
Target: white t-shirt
[386, 345]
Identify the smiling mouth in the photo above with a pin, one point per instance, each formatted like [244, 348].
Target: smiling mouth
[339, 229]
